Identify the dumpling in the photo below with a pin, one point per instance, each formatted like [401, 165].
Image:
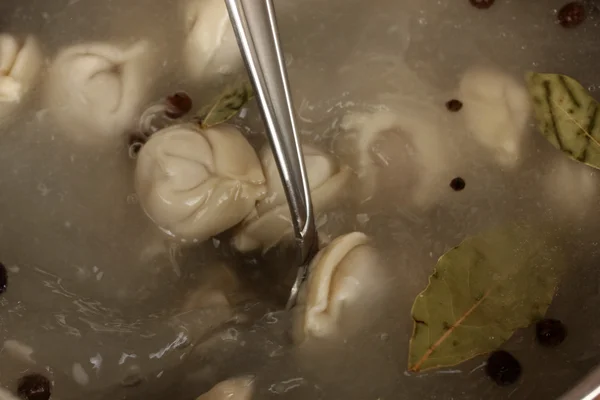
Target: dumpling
[96, 91]
[213, 302]
[343, 274]
[404, 149]
[496, 110]
[220, 288]
[271, 221]
[6, 395]
[20, 64]
[232, 389]
[573, 187]
[210, 47]
[196, 183]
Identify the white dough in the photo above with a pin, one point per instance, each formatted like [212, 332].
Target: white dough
[405, 148]
[220, 288]
[496, 109]
[344, 273]
[212, 303]
[96, 90]
[210, 47]
[196, 183]
[6, 395]
[20, 64]
[571, 186]
[232, 389]
[271, 221]
[19, 351]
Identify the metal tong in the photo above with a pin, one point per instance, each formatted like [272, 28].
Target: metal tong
[255, 27]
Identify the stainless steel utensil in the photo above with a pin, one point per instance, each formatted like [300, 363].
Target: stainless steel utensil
[256, 30]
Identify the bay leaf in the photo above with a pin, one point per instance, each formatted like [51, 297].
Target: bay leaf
[567, 116]
[227, 104]
[480, 293]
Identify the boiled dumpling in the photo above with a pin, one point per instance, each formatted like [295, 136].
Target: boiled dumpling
[271, 221]
[20, 63]
[220, 288]
[211, 47]
[345, 273]
[6, 395]
[232, 389]
[573, 187]
[213, 302]
[196, 183]
[496, 110]
[405, 149]
[96, 91]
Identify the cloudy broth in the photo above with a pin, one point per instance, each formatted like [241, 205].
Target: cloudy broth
[97, 293]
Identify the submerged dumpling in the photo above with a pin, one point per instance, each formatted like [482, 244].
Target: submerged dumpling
[210, 47]
[196, 183]
[572, 187]
[232, 389]
[6, 395]
[404, 149]
[271, 221]
[20, 63]
[496, 109]
[213, 302]
[95, 91]
[220, 288]
[345, 273]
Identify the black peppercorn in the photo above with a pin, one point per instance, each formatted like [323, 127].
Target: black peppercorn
[503, 368]
[458, 184]
[571, 14]
[178, 105]
[550, 332]
[454, 105]
[482, 4]
[34, 387]
[3, 278]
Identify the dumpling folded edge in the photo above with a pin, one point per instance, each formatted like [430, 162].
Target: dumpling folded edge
[269, 229]
[317, 312]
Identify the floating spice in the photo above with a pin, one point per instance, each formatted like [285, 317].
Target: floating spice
[550, 332]
[178, 105]
[457, 184]
[227, 105]
[480, 293]
[34, 387]
[567, 115]
[454, 105]
[482, 4]
[3, 278]
[503, 368]
[571, 14]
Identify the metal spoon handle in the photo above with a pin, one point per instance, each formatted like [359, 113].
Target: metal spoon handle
[256, 30]
[255, 26]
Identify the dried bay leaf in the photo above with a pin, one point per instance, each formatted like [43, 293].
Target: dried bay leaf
[480, 293]
[567, 116]
[227, 104]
